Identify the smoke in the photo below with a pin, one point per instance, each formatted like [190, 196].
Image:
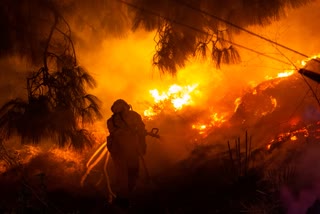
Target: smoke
[123, 69]
[121, 60]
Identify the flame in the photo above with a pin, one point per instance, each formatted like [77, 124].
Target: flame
[254, 92]
[149, 113]
[305, 61]
[201, 128]
[290, 72]
[237, 102]
[273, 101]
[177, 95]
[216, 120]
[293, 138]
[285, 73]
[288, 136]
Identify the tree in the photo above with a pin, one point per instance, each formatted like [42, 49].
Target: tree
[58, 105]
[186, 28]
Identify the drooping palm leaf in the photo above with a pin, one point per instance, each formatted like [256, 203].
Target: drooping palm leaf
[58, 105]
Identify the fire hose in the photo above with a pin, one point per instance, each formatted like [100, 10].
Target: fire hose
[102, 150]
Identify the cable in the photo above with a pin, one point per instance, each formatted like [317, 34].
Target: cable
[241, 28]
[200, 31]
[257, 52]
[231, 24]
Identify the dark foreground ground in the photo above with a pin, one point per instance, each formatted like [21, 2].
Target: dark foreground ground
[206, 182]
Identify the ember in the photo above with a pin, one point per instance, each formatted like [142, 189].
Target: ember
[295, 135]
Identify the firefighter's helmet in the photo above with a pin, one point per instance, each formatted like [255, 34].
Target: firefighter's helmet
[119, 106]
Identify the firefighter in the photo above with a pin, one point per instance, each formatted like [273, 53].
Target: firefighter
[126, 143]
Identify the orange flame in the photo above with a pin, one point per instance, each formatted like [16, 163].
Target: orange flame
[178, 96]
[285, 73]
[293, 138]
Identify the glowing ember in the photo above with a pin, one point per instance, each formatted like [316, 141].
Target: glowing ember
[254, 91]
[288, 136]
[216, 120]
[273, 101]
[200, 127]
[269, 146]
[293, 138]
[237, 102]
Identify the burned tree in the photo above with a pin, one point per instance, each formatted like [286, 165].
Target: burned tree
[57, 105]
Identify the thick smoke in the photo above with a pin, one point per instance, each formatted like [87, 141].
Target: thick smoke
[121, 60]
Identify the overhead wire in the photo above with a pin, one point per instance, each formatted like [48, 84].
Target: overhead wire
[232, 43]
[200, 31]
[228, 23]
[240, 28]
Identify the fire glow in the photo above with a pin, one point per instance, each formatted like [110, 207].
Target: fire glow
[288, 136]
[216, 120]
[285, 74]
[178, 96]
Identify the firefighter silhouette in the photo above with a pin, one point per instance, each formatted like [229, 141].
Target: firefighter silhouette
[126, 143]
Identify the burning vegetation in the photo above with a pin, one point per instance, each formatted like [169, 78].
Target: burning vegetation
[224, 144]
[200, 130]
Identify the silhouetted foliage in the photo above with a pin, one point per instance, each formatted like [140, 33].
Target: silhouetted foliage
[58, 105]
[184, 27]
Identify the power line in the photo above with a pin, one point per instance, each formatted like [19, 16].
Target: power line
[199, 30]
[241, 46]
[260, 53]
[241, 28]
